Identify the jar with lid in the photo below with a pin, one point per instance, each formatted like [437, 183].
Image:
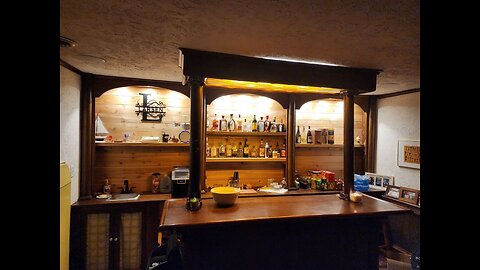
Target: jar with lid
[155, 182]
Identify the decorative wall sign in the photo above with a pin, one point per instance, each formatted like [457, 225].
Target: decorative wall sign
[408, 154]
[151, 110]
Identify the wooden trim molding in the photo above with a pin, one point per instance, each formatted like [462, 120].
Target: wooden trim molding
[404, 92]
[101, 84]
[70, 67]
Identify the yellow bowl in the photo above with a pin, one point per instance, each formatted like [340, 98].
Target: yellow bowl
[225, 195]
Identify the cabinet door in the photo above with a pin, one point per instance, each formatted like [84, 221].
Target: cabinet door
[98, 241]
[130, 240]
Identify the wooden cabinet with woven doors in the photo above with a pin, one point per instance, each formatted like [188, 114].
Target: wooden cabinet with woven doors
[113, 236]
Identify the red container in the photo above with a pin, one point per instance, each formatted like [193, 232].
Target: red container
[329, 175]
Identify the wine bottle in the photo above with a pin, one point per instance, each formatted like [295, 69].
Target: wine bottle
[309, 136]
[273, 125]
[298, 137]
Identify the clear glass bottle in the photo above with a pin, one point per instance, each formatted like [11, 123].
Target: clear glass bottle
[213, 151]
[221, 150]
[273, 125]
[215, 124]
[267, 124]
[228, 149]
[261, 125]
[304, 135]
[223, 124]
[239, 123]
[245, 126]
[107, 187]
[232, 126]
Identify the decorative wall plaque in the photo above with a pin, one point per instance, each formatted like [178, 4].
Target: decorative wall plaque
[409, 154]
[151, 110]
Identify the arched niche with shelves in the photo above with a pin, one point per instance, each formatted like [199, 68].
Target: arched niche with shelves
[134, 160]
[253, 171]
[327, 113]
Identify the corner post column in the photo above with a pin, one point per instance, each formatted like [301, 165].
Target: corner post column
[291, 141]
[348, 147]
[197, 145]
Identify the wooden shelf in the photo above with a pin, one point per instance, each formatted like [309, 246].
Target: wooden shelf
[244, 134]
[225, 160]
[140, 144]
[306, 145]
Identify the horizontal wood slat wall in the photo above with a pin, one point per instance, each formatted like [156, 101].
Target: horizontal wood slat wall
[116, 109]
[255, 174]
[136, 164]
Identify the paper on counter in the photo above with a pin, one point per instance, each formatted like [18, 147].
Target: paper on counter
[272, 190]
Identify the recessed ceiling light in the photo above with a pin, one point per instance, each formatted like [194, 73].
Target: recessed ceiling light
[66, 42]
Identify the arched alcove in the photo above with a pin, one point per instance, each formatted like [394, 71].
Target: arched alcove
[328, 114]
[116, 109]
[246, 105]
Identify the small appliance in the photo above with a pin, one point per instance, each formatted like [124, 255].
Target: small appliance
[180, 177]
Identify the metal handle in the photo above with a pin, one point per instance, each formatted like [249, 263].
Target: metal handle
[116, 239]
[110, 239]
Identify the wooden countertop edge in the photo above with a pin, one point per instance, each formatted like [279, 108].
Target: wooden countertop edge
[272, 219]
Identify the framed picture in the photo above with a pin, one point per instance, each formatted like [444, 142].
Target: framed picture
[409, 195]
[379, 181]
[408, 154]
[393, 192]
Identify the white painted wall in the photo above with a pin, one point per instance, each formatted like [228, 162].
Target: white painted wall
[398, 118]
[70, 83]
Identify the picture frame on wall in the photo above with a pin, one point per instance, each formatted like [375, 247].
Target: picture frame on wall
[378, 181]
[408, 154]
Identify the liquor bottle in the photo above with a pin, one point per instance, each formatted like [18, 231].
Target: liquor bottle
[281, 126]
[261, 149]
[331, 133]
[304, 135]
[215, 123]
[213, 151]
[261, 125]
[207, 152]
[309, 136]
[245, 149]
[268, 150]
[239, 124]
[228, 149]
[273, 125]
[283, 152]
[245, 126]
[298, 137]
[232, 126]
[267, 124]
[254, 124]
[234, 150]
[253, 152]
[240, 150]
[223, 124]
[221, 150]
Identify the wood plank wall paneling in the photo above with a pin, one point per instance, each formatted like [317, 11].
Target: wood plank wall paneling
[116, 108]
[136, 164]
[328, 113]
[255, 174]
[319, 159]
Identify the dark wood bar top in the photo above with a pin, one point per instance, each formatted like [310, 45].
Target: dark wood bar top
[274, 208]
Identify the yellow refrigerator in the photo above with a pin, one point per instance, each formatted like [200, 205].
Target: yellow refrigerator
[65, 186]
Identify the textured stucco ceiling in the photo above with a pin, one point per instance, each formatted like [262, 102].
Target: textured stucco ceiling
[140, 38]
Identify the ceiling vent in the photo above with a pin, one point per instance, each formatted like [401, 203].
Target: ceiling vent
[66, 42]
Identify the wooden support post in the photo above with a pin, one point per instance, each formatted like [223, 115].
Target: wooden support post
[348, 147]
[197, 143]
[87, 137]
[291, 141]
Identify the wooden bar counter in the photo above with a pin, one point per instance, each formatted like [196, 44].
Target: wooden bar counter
[282, 232]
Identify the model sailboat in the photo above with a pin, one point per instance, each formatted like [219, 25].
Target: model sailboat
[100, 131]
